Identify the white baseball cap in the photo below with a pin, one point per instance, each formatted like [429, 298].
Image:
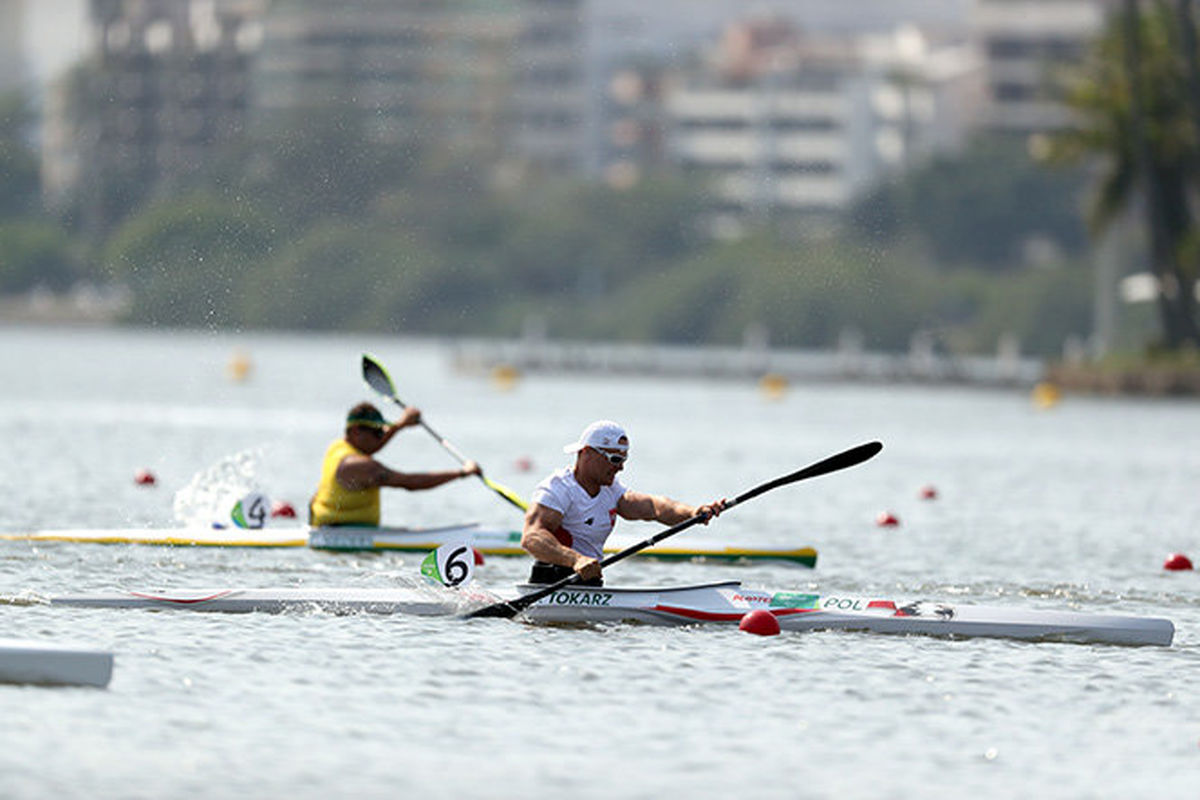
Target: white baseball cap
[602, 434]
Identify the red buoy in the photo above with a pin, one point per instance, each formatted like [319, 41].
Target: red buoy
[928, 492]
[478, 557]
[523, 464]
[282, 508]
[760, 622]
[144, 477]
[1177, 561]
[887, 519]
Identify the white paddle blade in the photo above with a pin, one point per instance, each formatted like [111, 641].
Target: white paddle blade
[250, 511]
[452, 564]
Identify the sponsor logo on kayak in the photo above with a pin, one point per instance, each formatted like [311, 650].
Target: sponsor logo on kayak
[759, 599]
[794, 600]
[344, 540]
[580, 599]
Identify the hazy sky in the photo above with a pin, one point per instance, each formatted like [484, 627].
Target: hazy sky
[55, 35]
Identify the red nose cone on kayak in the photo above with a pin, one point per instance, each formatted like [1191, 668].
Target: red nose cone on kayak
[144, 477]
[282, 508]
[760, 622]
[887, 519]
[1177, 561]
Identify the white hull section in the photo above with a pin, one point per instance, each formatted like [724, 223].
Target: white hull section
[273, 601]
[34, 662]
[720, 603]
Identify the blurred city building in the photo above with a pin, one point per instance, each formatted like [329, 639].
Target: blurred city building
[430, 70]
[791, 113]
[1021, 42]
[785, 122]
[550, 103]
[13, 68]
[167, 86]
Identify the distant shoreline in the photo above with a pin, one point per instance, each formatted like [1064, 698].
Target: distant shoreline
[83, 305]
[1148, 378]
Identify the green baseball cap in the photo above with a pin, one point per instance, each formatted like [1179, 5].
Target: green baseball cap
[365, 415]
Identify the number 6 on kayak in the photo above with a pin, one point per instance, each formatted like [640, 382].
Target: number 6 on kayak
[451, 564]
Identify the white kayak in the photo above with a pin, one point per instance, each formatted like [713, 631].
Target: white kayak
[488, 541]
[25, 661]
[720, 603]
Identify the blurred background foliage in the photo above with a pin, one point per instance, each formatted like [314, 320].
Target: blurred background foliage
[317, 227]
[313, 224]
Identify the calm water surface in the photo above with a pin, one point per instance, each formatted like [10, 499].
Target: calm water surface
[1071, 508]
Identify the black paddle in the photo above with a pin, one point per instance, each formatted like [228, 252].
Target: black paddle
[849, 458]
[378, 379]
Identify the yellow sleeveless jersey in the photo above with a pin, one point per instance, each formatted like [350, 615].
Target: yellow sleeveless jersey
[334, 504]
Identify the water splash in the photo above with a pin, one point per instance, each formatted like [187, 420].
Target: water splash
[212, 493]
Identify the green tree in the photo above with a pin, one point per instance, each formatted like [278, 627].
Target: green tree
[591, 240]
[20, 181]
[1132, 97]
[977, 208]
[321, 163]
[36, 253]
[355, 276]
[186, 260]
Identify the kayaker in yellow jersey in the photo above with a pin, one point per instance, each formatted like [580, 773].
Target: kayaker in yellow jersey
[348, 493]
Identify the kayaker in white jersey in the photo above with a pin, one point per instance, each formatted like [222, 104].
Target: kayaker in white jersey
[574, 509]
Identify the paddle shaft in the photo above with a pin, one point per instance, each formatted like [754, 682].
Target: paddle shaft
[848, 458]
[378, 379]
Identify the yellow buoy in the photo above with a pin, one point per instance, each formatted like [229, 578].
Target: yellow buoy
[505, 377]
[773, 386]
[1046, 395]
[239, 367]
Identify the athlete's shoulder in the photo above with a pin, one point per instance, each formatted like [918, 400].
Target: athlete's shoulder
[555, 490]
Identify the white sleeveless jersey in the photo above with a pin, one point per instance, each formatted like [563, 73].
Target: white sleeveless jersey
[587, 521]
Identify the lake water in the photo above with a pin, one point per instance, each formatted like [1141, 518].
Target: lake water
[1071, 508]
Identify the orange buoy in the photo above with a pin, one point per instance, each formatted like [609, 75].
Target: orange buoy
[928, 492]
[478, 557]
[760, 622]
[239, 367]
[773, 386]
[282, 508]
[1177, 562]
[144, 477]
[505, 377]
[887, 519]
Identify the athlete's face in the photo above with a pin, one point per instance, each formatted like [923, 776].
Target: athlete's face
[607, 463]
[366, 439]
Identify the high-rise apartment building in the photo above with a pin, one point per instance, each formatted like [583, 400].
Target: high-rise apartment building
[551, 106]
[13, 68]
[790, 123]
[1022, 41]
[167, 85]
[435, 70]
